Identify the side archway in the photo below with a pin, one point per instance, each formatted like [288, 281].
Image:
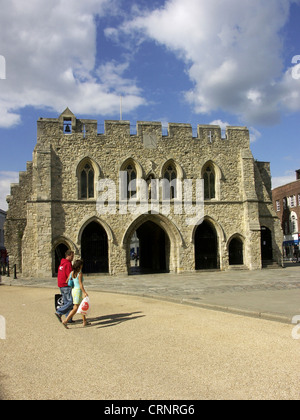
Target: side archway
[266, 244]
[206, 247]
[59, 248]
[236, 250]
[94, 239]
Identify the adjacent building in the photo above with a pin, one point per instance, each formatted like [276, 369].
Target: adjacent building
[286, 201]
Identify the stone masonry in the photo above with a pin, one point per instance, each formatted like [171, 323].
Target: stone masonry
[49, 209]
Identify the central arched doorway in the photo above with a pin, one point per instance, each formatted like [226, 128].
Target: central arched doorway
[206, 247]
[158, 242]
[94, 249]
[150, 240]
[154, 249]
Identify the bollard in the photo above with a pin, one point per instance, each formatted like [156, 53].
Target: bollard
[7, 271]
[15, 271]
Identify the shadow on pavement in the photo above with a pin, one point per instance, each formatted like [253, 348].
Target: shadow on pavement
[113, 320]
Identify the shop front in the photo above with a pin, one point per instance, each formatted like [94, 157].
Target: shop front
[291, 247]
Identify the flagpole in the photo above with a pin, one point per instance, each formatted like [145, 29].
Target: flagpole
[121, 116]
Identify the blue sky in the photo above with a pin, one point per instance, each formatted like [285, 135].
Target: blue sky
[190, 61]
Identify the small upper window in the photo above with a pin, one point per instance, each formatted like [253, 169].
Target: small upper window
[67, 126]
[278, 205]
[293, 201]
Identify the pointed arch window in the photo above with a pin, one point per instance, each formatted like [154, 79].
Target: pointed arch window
[131, 181]
[209, 183]
[170, 174]
[87, 182]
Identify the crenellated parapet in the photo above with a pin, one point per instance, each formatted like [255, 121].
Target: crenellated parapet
[151, 133]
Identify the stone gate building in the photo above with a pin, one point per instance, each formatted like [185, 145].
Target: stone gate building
[55, 204]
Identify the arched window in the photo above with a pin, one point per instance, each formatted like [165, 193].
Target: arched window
[293, 223]
[131, 181]
[170, 174]
[131, 173]
[209, 183]
[87, 182]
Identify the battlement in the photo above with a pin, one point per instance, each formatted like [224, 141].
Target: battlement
[67, 124]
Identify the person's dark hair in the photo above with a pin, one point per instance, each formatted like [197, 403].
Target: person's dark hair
[77, 267]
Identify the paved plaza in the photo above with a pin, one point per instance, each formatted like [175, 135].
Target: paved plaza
[269, 294]
[141, 348]
[205, 335]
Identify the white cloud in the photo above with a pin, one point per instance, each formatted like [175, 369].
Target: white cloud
[279, 181]
[221, 123]
[254, 134]
[50, 53]
[233, 52]
[6, 179]
[111, 74]
[8, 118]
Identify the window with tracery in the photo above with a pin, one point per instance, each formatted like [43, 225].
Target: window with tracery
[87, 182]
[170, 174]
[131, 181]
[209, 183]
